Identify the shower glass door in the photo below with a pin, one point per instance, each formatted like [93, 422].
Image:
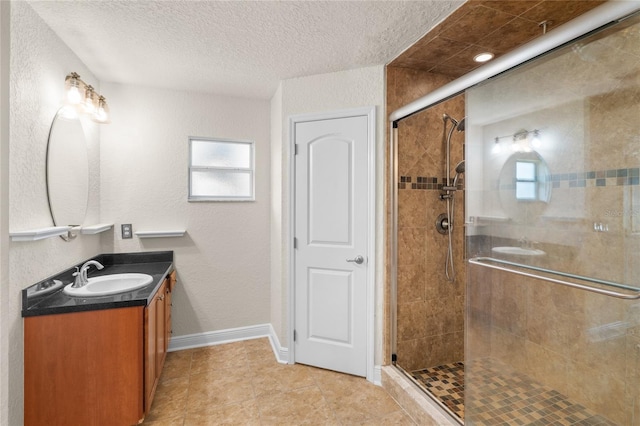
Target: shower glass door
[430, 298]
[553, 233]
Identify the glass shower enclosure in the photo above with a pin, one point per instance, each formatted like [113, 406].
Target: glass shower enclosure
[552, 330]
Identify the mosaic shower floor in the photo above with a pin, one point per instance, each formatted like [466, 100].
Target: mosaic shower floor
[504, 396]
[445, 382]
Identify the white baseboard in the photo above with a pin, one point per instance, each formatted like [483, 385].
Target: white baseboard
[219, 337]
[282, 354]
[377, 375]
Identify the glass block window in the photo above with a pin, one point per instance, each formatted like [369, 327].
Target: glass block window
[221, 170]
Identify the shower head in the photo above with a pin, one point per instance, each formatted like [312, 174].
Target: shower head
[458, 125]
[461, 124]
[446, 117]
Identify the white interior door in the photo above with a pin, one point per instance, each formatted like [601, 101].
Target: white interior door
[331, 254]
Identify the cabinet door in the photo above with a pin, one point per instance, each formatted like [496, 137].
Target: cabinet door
[168, 305]
[84, 368]
[150, 352]
[161, 327]
[157, 328]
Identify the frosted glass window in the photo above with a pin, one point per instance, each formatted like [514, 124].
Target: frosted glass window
[525, 171]
[526, 190]
[526, 180]
[221, 170]
[220, 154]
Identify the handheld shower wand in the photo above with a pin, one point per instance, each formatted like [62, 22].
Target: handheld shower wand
[444, 223]
[459, 171]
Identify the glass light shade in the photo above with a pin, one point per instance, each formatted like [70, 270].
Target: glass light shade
[101, 115]
[90, 100]
[74, 92]
[535, 141]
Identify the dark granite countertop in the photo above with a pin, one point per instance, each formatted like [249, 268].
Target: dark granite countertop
[47, 296]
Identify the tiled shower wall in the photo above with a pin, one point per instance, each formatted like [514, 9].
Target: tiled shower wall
[430, 320]
[586, 103]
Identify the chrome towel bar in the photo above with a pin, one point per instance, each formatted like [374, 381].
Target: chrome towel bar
[484, 262]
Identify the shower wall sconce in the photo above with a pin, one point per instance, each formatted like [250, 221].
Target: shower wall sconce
[522, 140]
[81, 98]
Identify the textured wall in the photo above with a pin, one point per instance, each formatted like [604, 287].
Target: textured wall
[324, 93]
[39, 64]
[223, 261]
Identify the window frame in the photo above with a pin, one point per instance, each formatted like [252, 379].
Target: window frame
[250, 170]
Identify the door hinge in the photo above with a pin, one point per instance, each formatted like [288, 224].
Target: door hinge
[295, 149]
[295, 243]
[295, 335]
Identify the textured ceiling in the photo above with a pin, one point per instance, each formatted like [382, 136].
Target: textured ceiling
[496, 26]
[240, 48]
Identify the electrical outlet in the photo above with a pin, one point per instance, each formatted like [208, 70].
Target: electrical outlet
[127, 231]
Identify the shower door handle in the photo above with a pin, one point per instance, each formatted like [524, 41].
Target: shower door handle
[358, 260]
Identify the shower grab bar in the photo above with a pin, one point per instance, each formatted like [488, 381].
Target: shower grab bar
[480, 261]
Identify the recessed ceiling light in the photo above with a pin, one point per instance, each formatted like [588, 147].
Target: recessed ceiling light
[483, 57]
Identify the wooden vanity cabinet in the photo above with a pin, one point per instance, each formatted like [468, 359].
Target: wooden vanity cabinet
[96, 367]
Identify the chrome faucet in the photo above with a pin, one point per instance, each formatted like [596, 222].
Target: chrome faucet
[81, 273]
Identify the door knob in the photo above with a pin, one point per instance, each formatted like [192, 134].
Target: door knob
[358, 259]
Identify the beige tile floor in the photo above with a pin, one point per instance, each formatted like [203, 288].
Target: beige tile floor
[241, 383]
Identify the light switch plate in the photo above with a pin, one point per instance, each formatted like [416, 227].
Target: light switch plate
[127, 231]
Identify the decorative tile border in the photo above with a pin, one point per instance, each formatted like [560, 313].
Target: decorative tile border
[425, 182]
[612, 177]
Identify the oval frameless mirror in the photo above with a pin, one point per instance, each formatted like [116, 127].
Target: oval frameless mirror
[67, 171]
[524, 186]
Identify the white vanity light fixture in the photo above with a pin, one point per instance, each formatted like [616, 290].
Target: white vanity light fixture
[82, 98]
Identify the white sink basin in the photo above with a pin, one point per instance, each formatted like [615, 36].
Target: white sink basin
[106, 285]
[518, 251]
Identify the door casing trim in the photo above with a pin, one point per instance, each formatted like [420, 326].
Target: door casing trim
[370, 113]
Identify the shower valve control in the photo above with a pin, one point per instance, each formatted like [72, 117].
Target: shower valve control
[358, 260]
